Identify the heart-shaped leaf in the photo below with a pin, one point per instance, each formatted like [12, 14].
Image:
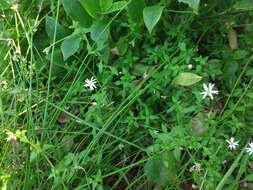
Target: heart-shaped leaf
[186, 79]
[151, 16]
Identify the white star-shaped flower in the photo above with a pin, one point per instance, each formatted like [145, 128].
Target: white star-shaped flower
[91, 84]
[232, 144]
[208, 91]
[250, 148]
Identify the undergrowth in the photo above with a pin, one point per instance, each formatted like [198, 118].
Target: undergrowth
[133, 94]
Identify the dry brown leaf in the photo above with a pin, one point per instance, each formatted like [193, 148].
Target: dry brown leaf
[232, 39]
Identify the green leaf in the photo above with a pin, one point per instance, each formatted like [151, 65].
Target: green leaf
[194, 4]
[135, 10]
[244, 5]
[92, 7]
[52, 26]
[249, 177]
[186, 79]
[70, 46]
[105, 4]
[58, 68]
[117, 6]
[161, 169]
[4, 5]
[75, 10]
[100, 32]
[151, 16]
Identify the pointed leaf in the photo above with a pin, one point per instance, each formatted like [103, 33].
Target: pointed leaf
[75, 10]
[186, 79]
[151, 16]
[194, 4]
[70, 46]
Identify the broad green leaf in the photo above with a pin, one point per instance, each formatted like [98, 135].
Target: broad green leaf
[70, 46]
[100, 32]
[194, 4]
[75, 10]
[105, 4]
[151, 16]
[119, 5]
[161, 169]
[249, 177]
[92, 7]
[52, 26]
[186, 79]
[135, 9]
[244, 5]
[4, 4]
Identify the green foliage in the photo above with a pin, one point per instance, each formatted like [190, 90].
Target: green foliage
[135, 9]
[108, 94]
[194, 4]
[161, 169]
[92, 7]
[151, 16]
[70, 46]
[54, 28]
[186, 79]
[74, 9]
[244, 5]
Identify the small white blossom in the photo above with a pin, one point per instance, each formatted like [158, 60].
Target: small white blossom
[196, 167]
[250, 148]
[91, 84]
[232, 144]
[208, 91]
[10, 136]
[145, 75]
[190, 66]
[15, 7]
[46, 50]
[10, 42]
